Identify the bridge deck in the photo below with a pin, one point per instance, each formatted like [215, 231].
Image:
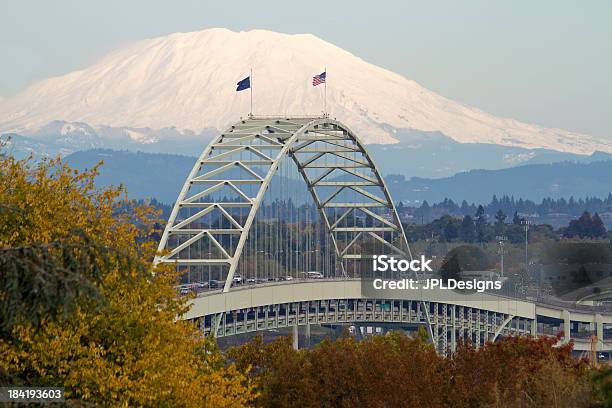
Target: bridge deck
[476, 316]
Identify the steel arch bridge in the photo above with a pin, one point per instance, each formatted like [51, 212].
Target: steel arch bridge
[243, 161]
[233, 219]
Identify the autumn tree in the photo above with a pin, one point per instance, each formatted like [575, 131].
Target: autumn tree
[83, 308]
[396, 370]
[393, 370]
[519, 371]
[602, 386]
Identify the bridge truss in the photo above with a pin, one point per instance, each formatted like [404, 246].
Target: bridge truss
[449, 322]
[235, 216]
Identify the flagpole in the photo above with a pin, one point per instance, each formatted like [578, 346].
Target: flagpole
[325, 98]
[251, 113]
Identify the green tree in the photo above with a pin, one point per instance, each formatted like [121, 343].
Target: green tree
[451, 231]
[581, 228]
[500, 222]
[467, 232]
[481, 224]
[598, 229]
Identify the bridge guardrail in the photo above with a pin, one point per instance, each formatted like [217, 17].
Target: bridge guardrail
[547, 301]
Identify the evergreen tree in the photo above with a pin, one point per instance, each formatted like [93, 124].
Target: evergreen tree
[582, 227]
[500, 221]
[465, 208]
[494, 205]
[467, 232]
[598, 229]
[481, 224]
[451, 231]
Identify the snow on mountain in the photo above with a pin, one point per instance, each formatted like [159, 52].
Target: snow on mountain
[76, 135]
[141, 137]
[187, 81]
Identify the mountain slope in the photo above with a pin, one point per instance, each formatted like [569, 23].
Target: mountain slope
[532, 181]
[161, 176]
[420, 154]
[433, 155]
[144, 175]
[188, 80]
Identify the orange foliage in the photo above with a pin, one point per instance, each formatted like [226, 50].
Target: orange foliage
[400, 371]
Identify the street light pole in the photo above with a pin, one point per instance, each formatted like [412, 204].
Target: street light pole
[526, 223]
[501, 239]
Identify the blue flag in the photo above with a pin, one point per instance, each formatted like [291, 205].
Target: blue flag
[244, 84]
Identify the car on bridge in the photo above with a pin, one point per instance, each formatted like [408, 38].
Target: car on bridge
[216, 284]
[314, 275]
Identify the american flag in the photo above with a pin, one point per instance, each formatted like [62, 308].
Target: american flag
[318, 79]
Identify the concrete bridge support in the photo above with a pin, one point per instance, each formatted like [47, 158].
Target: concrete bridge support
[307, 335]
[296, 341]
[599, 331]
[567, 326]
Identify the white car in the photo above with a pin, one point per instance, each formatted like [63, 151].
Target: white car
[314, 275]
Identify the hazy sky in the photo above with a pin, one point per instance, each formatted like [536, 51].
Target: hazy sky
[545, 62]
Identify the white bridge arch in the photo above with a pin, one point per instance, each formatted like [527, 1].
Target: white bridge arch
[249, 154]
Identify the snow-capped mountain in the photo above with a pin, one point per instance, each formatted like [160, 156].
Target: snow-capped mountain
[187, 81]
